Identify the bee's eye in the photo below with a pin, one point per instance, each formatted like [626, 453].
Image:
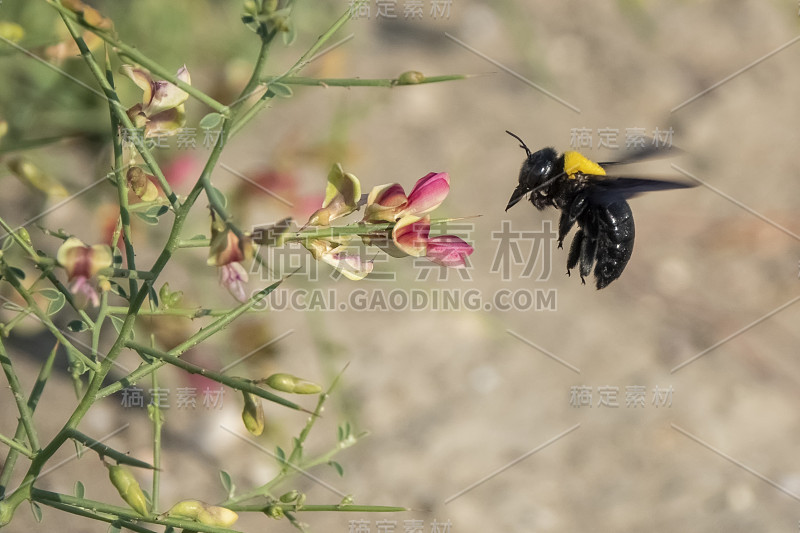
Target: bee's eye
[543, 170]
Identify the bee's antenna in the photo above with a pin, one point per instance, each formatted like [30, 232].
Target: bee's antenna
[521, 143]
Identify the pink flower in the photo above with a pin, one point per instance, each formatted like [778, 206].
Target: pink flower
[161, 111]
[82, 263]
[448, 250]
[352, 266]
[387, 203]
[233, 276]
[411, 236]
[428, 194]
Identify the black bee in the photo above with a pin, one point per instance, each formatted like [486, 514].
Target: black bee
[584, 193]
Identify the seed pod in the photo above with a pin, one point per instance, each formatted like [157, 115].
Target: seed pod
[289, 383]
[187, 509]
[253, 414]
[127, 486]
[412, 77]
[217, 516]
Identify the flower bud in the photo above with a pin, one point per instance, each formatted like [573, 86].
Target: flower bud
[289, 383]
[274, 511]
[253, 414]
[289, 496]
[127, 486]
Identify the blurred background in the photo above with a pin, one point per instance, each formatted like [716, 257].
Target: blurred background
[483, 416]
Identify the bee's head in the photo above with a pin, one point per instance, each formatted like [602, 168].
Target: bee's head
[536, 170]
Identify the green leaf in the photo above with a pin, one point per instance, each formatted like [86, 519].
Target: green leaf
[281, 90]
[151, 220]
[37, 511]
[212, 120]
[18, 273]
[114, 528]
[117, 289]
[76, 326]
[337, 466]
[153, 296]
[198, 237]
[56, 305]
[117, 323]
[50, 294]
[289, 35]
[80, 490]
[227, 483]
[280, 454]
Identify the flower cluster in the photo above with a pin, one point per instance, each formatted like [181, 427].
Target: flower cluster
[408, 236]
[161, 111]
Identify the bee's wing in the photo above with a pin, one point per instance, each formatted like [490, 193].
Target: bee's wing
[651, 150]
[608, 189]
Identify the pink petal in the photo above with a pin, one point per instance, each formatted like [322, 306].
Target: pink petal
[83, 289]
[448, 250]
[384, 203]
[233, 276]
[428, 193]
[410, 235]
[352, 267]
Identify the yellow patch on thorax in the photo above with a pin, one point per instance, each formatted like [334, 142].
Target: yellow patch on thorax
[575, 162]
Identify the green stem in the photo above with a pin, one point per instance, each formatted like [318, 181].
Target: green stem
[288, 467]
[106, 451]
[158, 422]
[125, 273]
[187, 313]
[17, 446]
[118, 110]
[19, 397]
[232, 382]
[122, 190]
[194, 243]
[10, 277]
[45, 497]
[302, 62]
[290, 507]
[9, 506]
[194, 340]
[33, 401]
[360, 82]
[103, 517]
[134, 54]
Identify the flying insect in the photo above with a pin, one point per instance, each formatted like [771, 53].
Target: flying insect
[584, 193]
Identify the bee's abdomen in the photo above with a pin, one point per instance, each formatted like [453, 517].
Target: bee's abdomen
[615, 241]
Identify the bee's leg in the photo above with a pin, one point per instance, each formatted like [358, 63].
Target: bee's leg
[575, 252]
[588, 252]
[570, 214]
